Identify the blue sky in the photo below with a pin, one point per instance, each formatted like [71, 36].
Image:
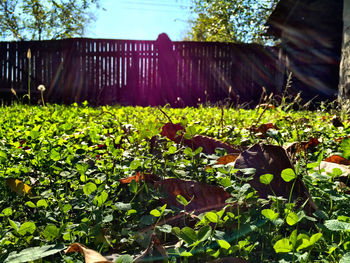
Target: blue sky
[141, 19]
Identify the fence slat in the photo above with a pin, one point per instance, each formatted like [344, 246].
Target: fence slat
[128, 71]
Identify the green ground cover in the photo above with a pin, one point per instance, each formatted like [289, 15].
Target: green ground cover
[61, 166]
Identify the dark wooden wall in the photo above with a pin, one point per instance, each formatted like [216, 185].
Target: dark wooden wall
[311, 34]
[131, 72]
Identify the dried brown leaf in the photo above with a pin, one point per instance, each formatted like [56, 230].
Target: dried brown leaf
[209, 144]
[229, 158]
[170, 130]
[271, 159]
[337, 159]
[148, 178]
[336, 121]
[263, 128]
[90, 256]
[204, 197]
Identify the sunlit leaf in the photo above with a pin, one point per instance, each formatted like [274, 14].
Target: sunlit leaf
[283, 246]
[270, 214]
[6, 212]
[27, 228]
[336, 225]
[182, 200]
[101, 199]
[51, 232]
[288, 175]
[223, 244]
[292, 218]
[345, 146]
[42, 203]
[34, 253]
[266, 178]
[155, 213]
[212, 217]
[89, 188]
[18, 186]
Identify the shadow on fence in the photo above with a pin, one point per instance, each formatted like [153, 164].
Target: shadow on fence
[131, 72]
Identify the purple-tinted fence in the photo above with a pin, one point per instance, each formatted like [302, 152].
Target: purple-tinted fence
[131, 72]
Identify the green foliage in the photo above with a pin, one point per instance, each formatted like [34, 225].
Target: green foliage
[73, 158]
[39, 20]
[230, 21]
[34, 253]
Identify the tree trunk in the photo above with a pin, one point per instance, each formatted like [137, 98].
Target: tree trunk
[344, 82]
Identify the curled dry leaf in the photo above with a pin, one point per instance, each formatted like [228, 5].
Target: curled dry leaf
[18, 186]
[170, 131]
[296, 147]
[148, 178]
[265, 105]
[337, 159]
[271, 159]
[208, 144]
[263, 128]
[204, 197]
[229, 158]
[90, 256]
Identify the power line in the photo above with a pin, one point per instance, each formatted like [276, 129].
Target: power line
[155, 4]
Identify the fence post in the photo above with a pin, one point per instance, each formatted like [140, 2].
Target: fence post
[167, 69]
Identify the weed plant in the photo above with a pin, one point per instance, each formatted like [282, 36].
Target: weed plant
[72, 158]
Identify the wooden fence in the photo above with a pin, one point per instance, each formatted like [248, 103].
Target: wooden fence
[130, 72]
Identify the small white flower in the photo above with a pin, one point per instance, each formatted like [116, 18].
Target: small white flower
[41, 88]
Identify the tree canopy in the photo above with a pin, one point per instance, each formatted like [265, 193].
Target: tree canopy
[230, 20]
[44, 19]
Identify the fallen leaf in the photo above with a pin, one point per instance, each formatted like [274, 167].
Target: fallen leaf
[90, 256]
[265, 105]
[229, 158]
[337, 159]
[341, 139]
[148, 178]
[271, 159]
[204, 197]
[312, 143]
[18, 186]
[170, 130]
[336, 121]
[263, 128]
[296, 147]
[208, 144]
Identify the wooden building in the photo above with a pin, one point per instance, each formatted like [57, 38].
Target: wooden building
[311, 33]
[344, 82]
